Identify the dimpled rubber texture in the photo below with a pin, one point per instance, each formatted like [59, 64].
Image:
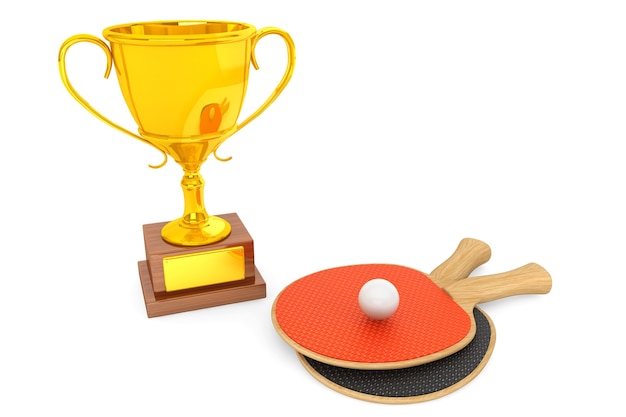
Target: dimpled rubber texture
[321, 314]
[413, 384]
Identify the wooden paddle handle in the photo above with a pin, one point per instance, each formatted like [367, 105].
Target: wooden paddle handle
[528, 279]
[469, 255]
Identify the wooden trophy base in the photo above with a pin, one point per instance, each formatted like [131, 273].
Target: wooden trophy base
[164, 294]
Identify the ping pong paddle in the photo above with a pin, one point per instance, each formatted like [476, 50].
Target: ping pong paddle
[431, 380]
[318, 315]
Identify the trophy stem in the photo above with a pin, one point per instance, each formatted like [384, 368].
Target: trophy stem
[196, 227]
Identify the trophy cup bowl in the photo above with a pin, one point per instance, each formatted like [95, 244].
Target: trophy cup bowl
[184, 83]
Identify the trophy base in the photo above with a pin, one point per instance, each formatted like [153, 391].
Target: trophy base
[175, 279]
[159, 305]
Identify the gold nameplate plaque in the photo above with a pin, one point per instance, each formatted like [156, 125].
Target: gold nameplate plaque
[182, 272]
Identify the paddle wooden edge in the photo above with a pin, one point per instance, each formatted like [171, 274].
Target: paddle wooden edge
[412, 399]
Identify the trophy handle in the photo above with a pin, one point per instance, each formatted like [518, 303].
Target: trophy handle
[291, 61]
[92, 39]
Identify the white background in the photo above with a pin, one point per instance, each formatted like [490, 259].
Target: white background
[403, 130]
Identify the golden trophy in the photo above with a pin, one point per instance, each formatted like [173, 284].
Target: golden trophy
[184, 83]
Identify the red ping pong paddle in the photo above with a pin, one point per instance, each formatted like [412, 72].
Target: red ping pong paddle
[428, 381]
[319, 315]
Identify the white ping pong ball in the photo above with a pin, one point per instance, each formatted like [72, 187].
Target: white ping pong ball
[378, 299]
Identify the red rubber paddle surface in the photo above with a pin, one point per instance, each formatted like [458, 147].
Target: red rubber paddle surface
[321, 313]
